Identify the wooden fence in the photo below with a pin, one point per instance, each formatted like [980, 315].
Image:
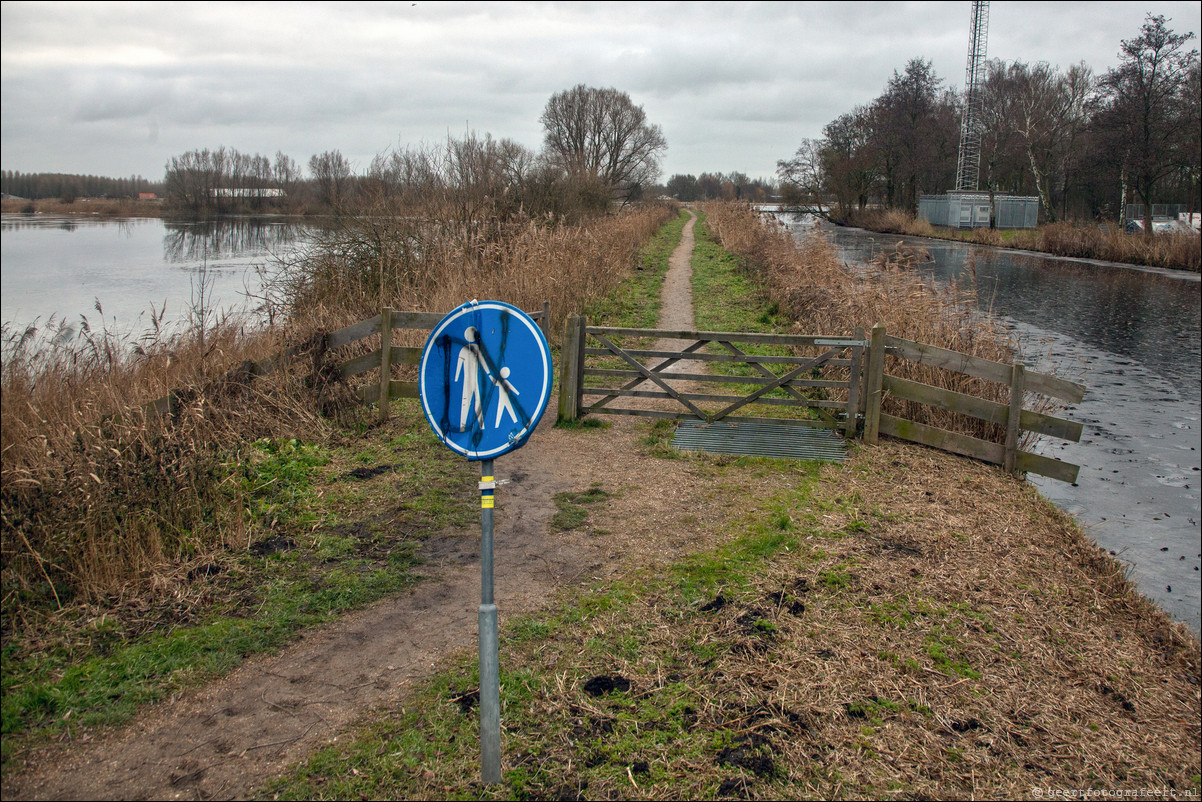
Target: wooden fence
[866, 387]
[1012, 416]
[383, 324]
[863, 407]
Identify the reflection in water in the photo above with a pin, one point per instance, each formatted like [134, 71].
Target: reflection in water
[31, 222]
[57, 270]
[1134, 337]
[221, 239]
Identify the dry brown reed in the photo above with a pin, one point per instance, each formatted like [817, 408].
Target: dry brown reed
[98, 495]
[1180, 251]
[1162, 250]
[105, 207]
[823, 296]
[412, 261]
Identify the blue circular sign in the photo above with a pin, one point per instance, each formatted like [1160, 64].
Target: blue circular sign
[485, 379]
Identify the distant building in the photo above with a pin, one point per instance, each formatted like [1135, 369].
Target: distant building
[147, 196]
[973, 210]
[248, 192]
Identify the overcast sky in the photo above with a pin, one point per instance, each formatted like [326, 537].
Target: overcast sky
[118, 88]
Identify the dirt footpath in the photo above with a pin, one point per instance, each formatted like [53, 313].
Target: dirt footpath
[224, 740]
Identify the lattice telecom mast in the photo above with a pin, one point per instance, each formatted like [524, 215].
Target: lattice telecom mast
[969, 163]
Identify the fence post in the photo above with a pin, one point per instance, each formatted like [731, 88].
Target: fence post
[581, 337]
[569, 408]
[854, 383]
[873, 382]
[385, 361]
[1014, 418]
[545, 322]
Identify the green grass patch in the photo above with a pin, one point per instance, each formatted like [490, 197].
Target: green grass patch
[573, 507]
[636, 303]
[727, 298]
[582, 424]
[596, 694]
[326, 527]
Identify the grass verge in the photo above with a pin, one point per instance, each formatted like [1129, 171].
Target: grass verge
[332, 527]
[856, 633]
[635, 302]
[728, 298]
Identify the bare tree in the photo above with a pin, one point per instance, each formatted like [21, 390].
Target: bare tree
[915, 135]
[801, 178]
[1049, 115]
[601, 134]
[332, 172]
[194, 178]
[1003, 164]
[286, 174]
[1192, 167]
[849, 171]
[1142, 109]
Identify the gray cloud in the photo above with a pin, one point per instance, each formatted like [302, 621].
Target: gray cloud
[117, 88]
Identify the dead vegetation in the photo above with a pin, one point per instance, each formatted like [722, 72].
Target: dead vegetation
[101, 497]
[910, 624]
[823, 296]
[92, 207]
[961, 640]
[1181, 251]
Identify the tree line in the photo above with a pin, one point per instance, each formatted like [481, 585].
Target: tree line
[1085, 145]
[719, 186]
[598, 148]
[68, 187]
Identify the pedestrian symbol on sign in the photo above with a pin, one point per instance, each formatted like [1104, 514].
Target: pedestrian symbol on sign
[504, 388]
[468, 364]
[485, 379]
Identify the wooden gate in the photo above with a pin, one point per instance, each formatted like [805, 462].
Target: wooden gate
[843, 385]
[601, 376]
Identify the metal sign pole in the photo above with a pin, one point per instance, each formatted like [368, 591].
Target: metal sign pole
[490, 681]
[484, 381]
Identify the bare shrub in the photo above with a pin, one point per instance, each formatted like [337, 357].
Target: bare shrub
[96, 490]
[416, 261]
[1162, 250]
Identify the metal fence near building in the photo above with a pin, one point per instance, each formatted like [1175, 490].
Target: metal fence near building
[933, 209]
[1015, 211]
[1160, 211]
[972, 210]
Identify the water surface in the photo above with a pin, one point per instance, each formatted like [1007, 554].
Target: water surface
[64, 270]
[1134, 337]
